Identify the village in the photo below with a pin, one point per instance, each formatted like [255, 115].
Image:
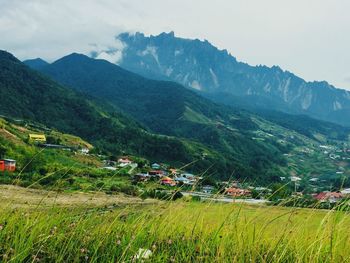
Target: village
[169, 178]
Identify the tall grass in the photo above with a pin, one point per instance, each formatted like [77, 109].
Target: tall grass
[175, 232]
[180, 231]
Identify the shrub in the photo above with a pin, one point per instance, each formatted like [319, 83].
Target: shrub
[195, 198]
[126, 189]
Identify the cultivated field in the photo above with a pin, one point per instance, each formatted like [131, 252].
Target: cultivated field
[100, 228]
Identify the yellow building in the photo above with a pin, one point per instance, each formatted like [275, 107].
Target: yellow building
[37, 137]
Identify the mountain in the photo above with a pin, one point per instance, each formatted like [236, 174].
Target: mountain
[36, 63]
[218, 75]
[168, 108]
[158, 105]
[28, 95]
[246, 143]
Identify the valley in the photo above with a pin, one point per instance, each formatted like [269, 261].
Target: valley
[174, 151]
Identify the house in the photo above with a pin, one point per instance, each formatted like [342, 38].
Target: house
[37, 137]
[7, 165]
[141, 177]
[84, 151]
[189, 176]
[167, 181]
[207, 189]
[183, 180]
[331, 197]
[155, 166]
[122, 162]
[346, 191]
[237, 192]
[295, 178]
[156, 173]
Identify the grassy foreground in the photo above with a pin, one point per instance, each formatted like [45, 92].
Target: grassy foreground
[172, 232]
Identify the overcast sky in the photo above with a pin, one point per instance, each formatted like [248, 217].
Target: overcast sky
[308, 37]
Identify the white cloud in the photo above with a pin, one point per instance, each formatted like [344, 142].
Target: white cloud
[113, 52]
[113, 57]
[308, 38]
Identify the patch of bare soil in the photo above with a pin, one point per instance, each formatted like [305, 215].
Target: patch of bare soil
[15, 196]
[9, 136]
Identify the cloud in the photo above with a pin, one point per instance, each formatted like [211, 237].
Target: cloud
[305, 37]
[113, 57]
[51, 29]
[113, 52]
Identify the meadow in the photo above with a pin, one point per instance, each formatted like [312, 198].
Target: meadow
[164, 231]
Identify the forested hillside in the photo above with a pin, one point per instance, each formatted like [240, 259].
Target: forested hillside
[168, 108]
[28, 95]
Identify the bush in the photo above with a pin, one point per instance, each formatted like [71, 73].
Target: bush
[161, 195]
[195, 198]
[126, 189]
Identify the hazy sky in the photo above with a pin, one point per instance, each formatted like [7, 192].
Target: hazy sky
[308, 37]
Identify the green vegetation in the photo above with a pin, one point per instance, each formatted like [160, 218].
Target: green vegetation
[307, 126]
[213, 138]
[94, 227]
[227, 136]
[30, 96]
[173, 232]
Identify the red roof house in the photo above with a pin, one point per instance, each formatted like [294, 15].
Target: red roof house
[331, 197]
[236, 192]
[167, 181]
[7, 165]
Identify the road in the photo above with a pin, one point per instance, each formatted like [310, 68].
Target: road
[223, 199]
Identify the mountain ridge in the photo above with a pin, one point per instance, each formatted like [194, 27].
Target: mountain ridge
[201, 66]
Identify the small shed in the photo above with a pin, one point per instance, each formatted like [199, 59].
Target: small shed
[7, 165]
[124, 161]
[37, 137]
[155, 166]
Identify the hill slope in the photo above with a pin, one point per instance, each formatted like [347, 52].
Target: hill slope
[28, 95]
[217, 74]
[242, 139]
[169, 108]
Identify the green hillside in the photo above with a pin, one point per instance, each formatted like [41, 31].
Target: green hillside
[31, 96]
[169, 108]
[28, 95]
[40, 166]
